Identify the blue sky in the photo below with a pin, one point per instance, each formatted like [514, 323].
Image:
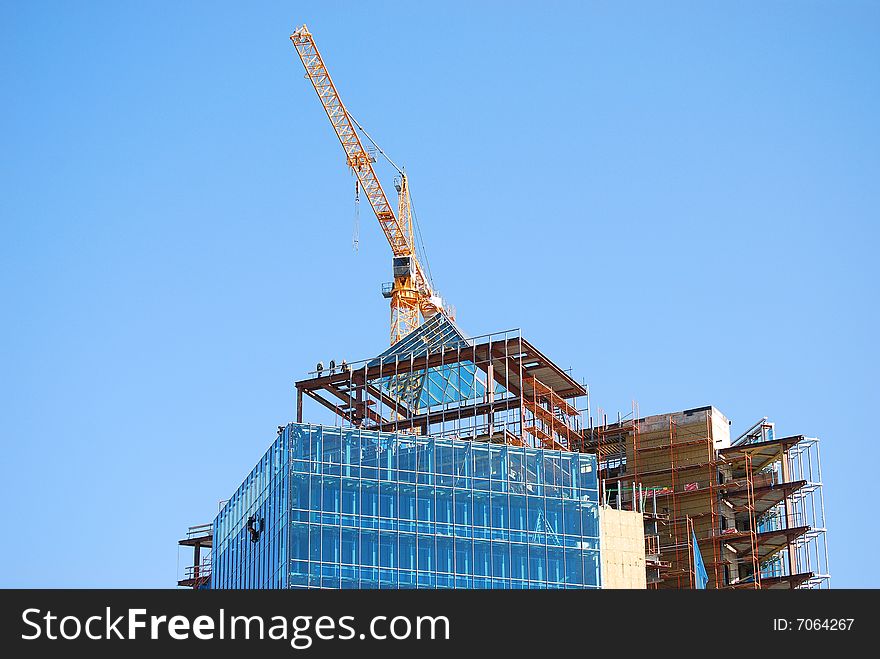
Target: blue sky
[678, 200]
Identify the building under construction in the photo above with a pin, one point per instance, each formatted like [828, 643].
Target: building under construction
[475, 463]
[452, 461]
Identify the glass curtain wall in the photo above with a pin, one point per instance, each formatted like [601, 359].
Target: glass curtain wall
[251, 530]
[330, 507]
[382, 510]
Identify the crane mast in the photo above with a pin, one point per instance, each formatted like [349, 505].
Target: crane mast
[411, 295]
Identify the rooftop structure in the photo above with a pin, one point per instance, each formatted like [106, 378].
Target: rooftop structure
[497, 387]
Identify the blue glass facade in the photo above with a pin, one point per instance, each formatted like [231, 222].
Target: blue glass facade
[237, 560]
[349, 508]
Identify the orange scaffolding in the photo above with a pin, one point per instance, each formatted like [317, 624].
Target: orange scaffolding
[693, 479]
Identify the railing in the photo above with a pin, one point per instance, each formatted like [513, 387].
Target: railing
[761, 431]
[200, 571]
[469, 342]
[199, 531]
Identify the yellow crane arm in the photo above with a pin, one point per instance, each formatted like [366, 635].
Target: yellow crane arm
[411, 295]
[358, 159]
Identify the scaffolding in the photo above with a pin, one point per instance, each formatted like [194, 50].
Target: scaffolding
[789, 508]
[755, 505]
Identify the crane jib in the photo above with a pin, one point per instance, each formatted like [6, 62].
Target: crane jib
[413, 294]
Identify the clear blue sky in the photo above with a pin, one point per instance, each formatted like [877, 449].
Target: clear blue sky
[677, 199]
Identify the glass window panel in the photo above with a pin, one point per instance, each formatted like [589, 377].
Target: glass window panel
[519, 561]
[445, 548]
[351, 458]
[500, 511]
[574, 567]
[461, 459]
[387, 549]
[299, 486]
[498, 462]
[315, 542]
[553, 518]
[425, 504]
[445, 461]
[427, 580]
[591, 568]
[537, 521]
[407, 551]
[463, 507]
[426, 457]
[464, 549]
[571, 518]
[501, 559]
[480, 453]
[315, 492]
[389, 505]
[330, 542]
[519, 518]
[589, 520]
[370, 498]
[555, 564]
[482, 559]
[349, 546]
[406, 462]
[369, 551]
[406, 579]
[533, 465]
[537, 562]
[426, 553]
[331, 501]
[350, 490]
[407, 505]
[445, 510]
[482, 511]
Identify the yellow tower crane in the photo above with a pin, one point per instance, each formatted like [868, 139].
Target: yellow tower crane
[411, 294]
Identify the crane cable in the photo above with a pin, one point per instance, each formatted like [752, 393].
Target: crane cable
[418, 227]
[355, 241]
[412, 205]
[373, 142]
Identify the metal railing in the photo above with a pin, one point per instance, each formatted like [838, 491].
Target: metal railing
[199, 531]
[200, 571]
